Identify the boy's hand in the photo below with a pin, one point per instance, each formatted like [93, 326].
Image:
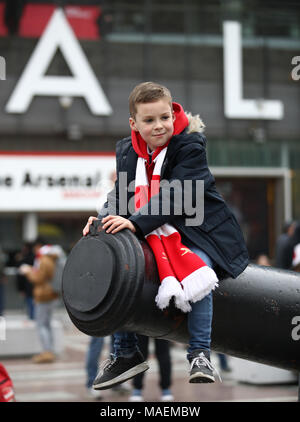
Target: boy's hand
[88, 224]
[115, 223]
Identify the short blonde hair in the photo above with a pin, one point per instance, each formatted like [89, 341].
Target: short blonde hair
[147, 92]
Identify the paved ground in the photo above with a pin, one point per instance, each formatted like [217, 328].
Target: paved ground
[64, 380]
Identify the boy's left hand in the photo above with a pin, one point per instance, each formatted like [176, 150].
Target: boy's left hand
[115, 223]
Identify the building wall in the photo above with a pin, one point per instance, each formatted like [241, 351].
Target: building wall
[194, 74]
[179, 44]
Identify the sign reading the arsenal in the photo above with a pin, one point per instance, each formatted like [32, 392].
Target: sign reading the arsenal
[55, 182]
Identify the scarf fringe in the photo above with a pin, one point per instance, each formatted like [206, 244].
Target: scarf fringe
[171, 287]
[199, 284]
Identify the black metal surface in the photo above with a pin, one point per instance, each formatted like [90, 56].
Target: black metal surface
[252, 314]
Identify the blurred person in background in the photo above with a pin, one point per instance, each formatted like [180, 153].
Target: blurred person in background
[91, 365]
[162, 354]
[26, 256]
[284, 248]
[2, 279]
[41, 275]
[263, 259]
[293, 242]
[223, 362]
[296, 249]
[296, 258]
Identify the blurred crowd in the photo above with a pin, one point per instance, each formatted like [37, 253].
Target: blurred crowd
[287, 249]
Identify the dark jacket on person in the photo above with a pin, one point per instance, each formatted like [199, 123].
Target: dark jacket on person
[285, 251]
[23, 285]
[219, 235]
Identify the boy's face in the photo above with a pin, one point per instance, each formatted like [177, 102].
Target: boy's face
[154, 122]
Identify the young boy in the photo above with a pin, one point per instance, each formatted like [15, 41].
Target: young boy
[166, 144]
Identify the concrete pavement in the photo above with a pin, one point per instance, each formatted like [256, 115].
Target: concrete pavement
[64, 380]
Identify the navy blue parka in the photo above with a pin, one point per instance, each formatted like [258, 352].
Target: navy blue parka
[219, 235]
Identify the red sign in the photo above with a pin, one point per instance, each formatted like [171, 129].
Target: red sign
[83, 20]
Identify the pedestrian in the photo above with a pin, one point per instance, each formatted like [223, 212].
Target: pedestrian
[91, 365]
[296, 248]
[296, 259]
[163, 356]
[2, 280]
[166, 144]
[223, 361]
[263, 259]
[7, 393]
[26, 256]
[284, 247]
[41, 276]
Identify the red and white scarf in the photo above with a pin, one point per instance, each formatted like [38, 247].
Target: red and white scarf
[183, 274]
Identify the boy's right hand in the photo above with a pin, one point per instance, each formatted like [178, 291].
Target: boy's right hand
[86, 229]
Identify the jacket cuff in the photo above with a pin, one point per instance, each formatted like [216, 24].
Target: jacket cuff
[138, 231]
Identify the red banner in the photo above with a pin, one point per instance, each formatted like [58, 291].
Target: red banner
[83, 20]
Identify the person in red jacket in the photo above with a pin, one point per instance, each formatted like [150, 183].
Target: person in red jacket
[165, 160]
[7, 393]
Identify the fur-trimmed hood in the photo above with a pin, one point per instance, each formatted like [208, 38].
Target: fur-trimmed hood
[195, 123]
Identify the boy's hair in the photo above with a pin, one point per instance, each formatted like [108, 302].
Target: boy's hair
[147, 92]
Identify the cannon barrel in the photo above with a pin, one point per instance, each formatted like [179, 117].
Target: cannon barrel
[110, 283]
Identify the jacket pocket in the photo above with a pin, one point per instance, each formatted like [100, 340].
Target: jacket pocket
[215, 219]
[223, 229]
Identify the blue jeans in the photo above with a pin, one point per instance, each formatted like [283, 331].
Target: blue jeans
[1, 297]
[29, 306]
[92, 358]
[200, 317]
[199, 320]
[43, 317]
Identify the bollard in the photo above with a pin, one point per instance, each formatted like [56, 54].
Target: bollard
[110, 283]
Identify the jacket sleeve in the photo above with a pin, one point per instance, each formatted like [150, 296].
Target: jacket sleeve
[189, 169]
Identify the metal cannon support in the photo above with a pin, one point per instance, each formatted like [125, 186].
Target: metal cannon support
[110, 283]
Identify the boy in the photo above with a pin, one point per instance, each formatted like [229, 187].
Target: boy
[166, 144]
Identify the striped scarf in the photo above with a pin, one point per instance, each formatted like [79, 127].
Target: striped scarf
[183, 275]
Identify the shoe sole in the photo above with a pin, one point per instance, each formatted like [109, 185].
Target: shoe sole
[132, 372]
[201, 378]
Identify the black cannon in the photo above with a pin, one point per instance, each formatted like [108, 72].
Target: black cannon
[110, 283]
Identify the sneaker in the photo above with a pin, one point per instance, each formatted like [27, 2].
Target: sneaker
[44, 357]
[136, 396]
[119, 369]
[167, 397]
[201, 368]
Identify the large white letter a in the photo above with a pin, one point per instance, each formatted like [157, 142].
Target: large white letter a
[33, 81]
